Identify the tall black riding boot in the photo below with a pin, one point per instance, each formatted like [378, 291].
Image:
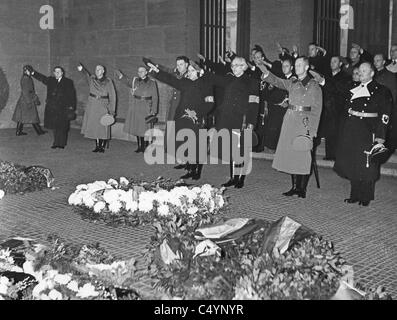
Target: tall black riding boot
[233, 178]
[102, 144]
[96, 146]
[37, 128]
[197, 172]
[240, 182]
[19, 129]
[142, 144]
[138, 139]
[302, 185]
[294, 179]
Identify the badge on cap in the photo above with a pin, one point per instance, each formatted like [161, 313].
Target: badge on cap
[385, 119]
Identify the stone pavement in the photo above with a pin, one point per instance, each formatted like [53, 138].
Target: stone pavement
[367, 237]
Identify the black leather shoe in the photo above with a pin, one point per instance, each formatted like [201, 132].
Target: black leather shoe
[291, 192]
[180, 166]
[21, 133]
[349, 200]
[240, 183]
[364, 203]
[188, 175]
[329, 158]
[231, 182]
[54, 147]
[301, 193]
[61, 147]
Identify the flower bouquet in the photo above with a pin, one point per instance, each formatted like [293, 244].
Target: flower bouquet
[16, 178]
[64, 272]
[138, 202]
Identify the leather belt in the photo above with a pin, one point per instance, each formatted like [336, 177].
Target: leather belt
[363, 114]
[299, 108]
[98, 97]
[142, 98]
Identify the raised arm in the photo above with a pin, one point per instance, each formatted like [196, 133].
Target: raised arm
[40, 77]
[274, 80]
[124, 79]
[83, 69]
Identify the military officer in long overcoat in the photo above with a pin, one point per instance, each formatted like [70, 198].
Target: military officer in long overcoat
[239, 109]
[101, 101]
[26, 108]
[368, 110]
[293, 153]
[145, 100]
[61, 99]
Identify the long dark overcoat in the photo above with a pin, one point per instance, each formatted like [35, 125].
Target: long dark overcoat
[26, 109]
[61, 96]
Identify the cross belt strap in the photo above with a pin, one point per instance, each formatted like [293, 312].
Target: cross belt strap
[363, 114]
[98, 97]
[299, 108]
[142, 98]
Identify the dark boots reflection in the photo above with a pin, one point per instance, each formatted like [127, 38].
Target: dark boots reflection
[299, 186]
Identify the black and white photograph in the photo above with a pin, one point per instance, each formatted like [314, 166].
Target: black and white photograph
[189, 156]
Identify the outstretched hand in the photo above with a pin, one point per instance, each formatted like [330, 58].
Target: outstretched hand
[80, 67]
[200, 56]
[118, 73]
[152, 67]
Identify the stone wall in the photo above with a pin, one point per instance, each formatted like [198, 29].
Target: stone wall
[21, 42]
[286, 21]
[118, 33]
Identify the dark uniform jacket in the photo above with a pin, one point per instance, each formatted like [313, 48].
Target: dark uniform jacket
[389, 80]
[196, 100]
[333, 104]
[358, 133]
[241, 98]
[60, 97]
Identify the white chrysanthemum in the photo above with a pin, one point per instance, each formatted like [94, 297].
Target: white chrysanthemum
[74, 199]
[125, 196]
[1, 194]
[220, 200]
[99, 206]
[113, 182]
[145, 206]
[162, 196]
[88, 201]
[62, 278]
[124, 181]
[192, 211]
[115, 206]
[175, 201]
[207, 188]
[73, 286]
[4, 283]
[212, 205]
[131, 206]
[111, 195]
[51, 274]
[163, 210]
[82, 187]
[55, 295]
[40, 287]
[191, 195]
[88, 290]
